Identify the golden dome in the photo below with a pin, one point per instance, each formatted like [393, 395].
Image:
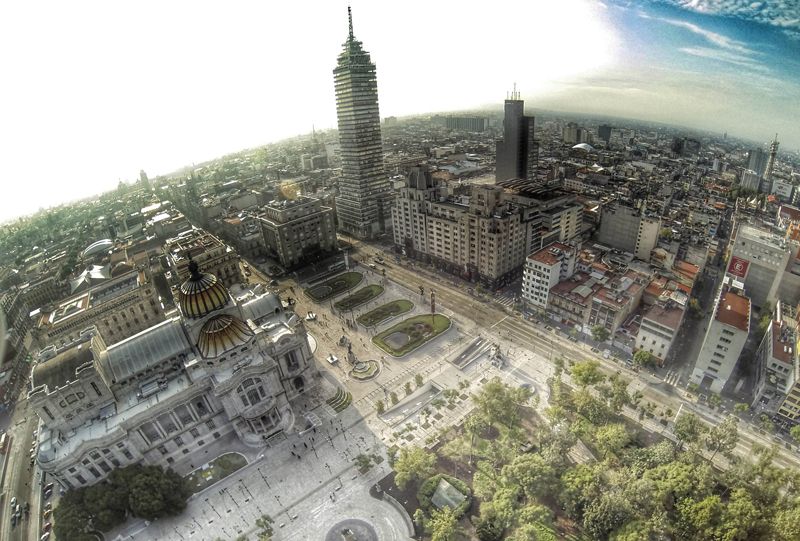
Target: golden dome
[222, 333]
[201, 294]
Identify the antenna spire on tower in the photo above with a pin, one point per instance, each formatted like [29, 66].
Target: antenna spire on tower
[350, 21]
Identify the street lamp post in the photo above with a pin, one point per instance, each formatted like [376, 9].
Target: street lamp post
[263, 477]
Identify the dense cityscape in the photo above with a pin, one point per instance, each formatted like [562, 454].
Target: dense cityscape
[477, 325]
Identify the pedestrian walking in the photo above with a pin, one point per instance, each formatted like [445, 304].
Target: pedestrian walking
[305, 445]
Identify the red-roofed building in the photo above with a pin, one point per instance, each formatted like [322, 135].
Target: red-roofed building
[725, 337]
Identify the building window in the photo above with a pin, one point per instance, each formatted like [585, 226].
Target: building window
[170, 460]
[210, 424]
[162, 450]
[194, 432]
[178, 441]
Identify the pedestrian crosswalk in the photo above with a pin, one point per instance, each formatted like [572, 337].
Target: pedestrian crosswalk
[672, 377]
[506, 298]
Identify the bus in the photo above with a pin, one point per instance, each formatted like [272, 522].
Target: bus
[4, 442]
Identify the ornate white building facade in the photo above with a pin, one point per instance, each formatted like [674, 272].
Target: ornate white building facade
[223, 366]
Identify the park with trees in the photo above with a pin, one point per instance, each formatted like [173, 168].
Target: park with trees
[584, 471]
[147, 492]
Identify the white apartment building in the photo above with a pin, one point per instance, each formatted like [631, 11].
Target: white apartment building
[659, 328]
[725, 337]
[778, 363]
[543, 270]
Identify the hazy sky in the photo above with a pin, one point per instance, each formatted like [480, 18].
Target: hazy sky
[93, 92]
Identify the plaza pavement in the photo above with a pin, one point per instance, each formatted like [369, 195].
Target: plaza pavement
[295, 492]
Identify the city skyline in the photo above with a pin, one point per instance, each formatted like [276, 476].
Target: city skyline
[101, 92]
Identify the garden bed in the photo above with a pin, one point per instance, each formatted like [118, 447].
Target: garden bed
[334, 286]
[214, 471]
[362, 296]
[385, 312]
[411, 333]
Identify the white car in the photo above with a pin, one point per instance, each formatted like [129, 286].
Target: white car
[606, 353]
[311, 316]
[333, 359]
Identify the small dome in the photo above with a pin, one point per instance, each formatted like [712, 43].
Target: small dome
[98, 247]
[201, 294]
[583, 146]
[222, 333]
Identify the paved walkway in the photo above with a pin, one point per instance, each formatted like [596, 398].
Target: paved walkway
[292, 482]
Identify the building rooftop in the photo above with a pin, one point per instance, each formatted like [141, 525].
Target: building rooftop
[734, 310]
[668, 315]
[59, 370]
[551, 254]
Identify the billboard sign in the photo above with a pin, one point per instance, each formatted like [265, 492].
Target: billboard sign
[738, 267]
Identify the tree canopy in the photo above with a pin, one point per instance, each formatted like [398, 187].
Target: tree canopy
[148, 492]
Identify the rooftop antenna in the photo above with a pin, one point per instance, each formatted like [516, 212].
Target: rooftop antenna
[514, 94]
[350, 21]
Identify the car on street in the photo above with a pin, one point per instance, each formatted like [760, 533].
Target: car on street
[46, 527]
[373, 266]
[47, 513]
[13, 502]
[48, 506]
[606, 353]
[13, 521]
[379, 260]
[595, 350]
[45, 536]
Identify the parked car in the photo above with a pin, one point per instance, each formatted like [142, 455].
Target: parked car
[48, 506]
[13, 502]
[45, 536]
[46, 527]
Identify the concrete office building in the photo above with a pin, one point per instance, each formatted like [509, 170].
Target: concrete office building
[777, 389]
[543, 270]
[724, 339]
[629, 229]
[221, 370]
[298, 230]
[764, 262]
[517, 153]
[206, 250]
[750, 180]
[362, 205]
[118, 308]
[485, 235]
[659, 327]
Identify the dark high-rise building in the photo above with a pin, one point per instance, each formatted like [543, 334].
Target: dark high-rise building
[604, 132]
[362, 206]
[757, 161]
[517, 152]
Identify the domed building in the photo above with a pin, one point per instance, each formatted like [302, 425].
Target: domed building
[218, 369]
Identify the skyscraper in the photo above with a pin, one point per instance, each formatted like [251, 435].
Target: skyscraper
[757, 161]
[517, 152]
[773, 152]
[362, 205]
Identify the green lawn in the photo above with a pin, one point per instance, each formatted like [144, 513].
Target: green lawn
[362, 296]
[217, 469]
[334, 286]
[384, 312]
[411, 333]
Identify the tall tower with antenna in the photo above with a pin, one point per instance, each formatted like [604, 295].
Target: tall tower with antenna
[773, 152]
[363, 205]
